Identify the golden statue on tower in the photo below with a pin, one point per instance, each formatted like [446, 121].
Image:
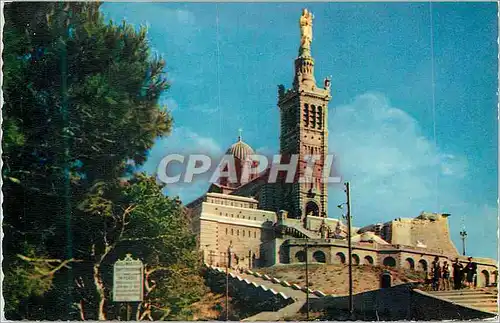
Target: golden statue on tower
[305, 23]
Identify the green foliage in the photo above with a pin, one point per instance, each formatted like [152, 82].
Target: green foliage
[81, 103]
[140, 220]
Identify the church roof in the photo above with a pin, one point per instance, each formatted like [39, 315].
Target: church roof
[240, 149]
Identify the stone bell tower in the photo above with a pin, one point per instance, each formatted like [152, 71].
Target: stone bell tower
[303, 110]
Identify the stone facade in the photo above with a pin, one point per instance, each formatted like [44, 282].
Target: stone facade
[263, 224]
[221, 221]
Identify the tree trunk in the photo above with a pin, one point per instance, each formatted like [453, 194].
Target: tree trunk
[82, 313]
[100, 291]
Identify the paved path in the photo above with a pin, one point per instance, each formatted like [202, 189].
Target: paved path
[298, 296]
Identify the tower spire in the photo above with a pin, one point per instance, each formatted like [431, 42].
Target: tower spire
[305, 23]
[304, 64]
[239, 134]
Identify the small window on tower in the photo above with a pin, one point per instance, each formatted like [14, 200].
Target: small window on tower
[238, 233]
[226, 231]
[313, 116]
[320, 117]
[306, 115]
[243, 232]
[232, 232]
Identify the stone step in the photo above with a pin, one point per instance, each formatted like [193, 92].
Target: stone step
[488, 307]
[493, 308]
[475, 301]
[462, 291]
[471, 297]
[454, 294]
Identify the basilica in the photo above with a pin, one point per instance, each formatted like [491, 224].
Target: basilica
[266, 224]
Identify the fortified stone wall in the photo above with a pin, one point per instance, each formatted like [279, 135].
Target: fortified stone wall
[432, 232]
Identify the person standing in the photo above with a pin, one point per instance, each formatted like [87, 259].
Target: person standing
[446, 276]
[470, 272]
[436, 274]
[457, 274]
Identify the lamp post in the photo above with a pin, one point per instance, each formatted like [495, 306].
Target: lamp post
[349, 245]
[463, 235]
[228, 264]
[307, 279]
[209, 254]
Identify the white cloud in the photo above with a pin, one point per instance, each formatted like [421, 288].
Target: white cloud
[184, 141]
[171, 104]
[185, 17]
[205, 108]
[391, 165]
[392, 168]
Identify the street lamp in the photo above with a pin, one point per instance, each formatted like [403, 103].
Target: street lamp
[307, 279]
[209, 254]
[349, 244]
[228, 264]
[463, 235]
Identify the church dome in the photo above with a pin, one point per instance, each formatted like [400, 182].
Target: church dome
[240, 150]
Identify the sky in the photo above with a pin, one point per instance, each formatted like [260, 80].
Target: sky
[413, 116]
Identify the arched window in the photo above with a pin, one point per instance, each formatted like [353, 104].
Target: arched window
[312, 208]
[340, 258]
[319, 256]
[313, 116]
[320, 117]
[368, 260]
[389, 262]
[300, 256]
[232, 232]
[226, 231]
[238, 233]
[409, 264]
[422, 265]
[355, 259]
[306, 115]
[255, 234]
[485, 279]
[243, 232]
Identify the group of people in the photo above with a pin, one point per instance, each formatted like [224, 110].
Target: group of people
[462, 275]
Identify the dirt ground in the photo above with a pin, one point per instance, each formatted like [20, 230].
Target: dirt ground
[333, 279]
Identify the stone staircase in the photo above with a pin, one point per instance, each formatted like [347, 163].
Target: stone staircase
[484, 299]
[299, 232]
[273, 285]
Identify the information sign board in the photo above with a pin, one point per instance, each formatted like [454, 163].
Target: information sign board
[128, 280]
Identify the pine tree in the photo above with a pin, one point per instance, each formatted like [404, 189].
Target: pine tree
[80, 111]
